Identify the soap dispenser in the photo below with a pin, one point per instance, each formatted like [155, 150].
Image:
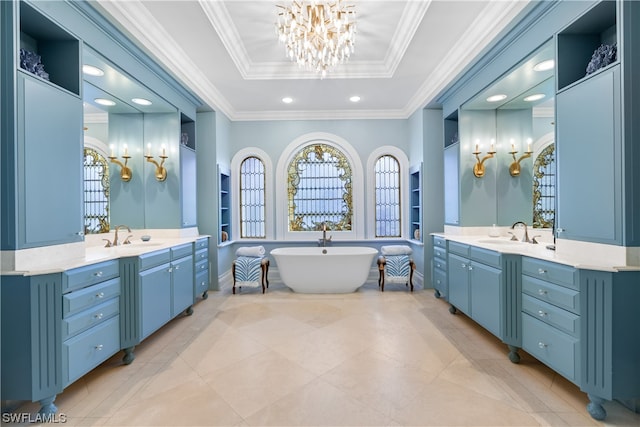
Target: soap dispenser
[494, 231]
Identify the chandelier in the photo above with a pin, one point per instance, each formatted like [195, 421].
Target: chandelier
[318, 34]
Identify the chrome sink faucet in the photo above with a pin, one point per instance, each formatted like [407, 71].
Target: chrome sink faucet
[525, 237]
[324, 235]
[115, 239]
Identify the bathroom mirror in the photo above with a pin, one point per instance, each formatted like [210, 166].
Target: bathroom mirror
[515, 116]
[123, 121]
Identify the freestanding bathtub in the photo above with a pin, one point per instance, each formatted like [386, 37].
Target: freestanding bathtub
[324, 270]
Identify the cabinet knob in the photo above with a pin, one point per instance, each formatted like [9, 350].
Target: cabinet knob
[100, 295]
[542, 292]
[438, 265]
[541, 313]
[542, 345]
[98, 316]
[99, 347]
[470, 267]
[79, 233]
[463, 265]
[560, 230]
[177, 267]
[98, 274]
[541, 271]
[169, 270]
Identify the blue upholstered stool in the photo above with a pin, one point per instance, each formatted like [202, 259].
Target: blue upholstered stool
[250, 271]
[395, 266]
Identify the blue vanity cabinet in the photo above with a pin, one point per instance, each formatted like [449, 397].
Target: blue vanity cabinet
[156, 287]
[188, 186]
[32, 339]
[90, 318]
[609, 338]
[182, 279]
[486, 286]
[589, 123]
[41, 131]
[458, 276]
[439, 267]
[201, 267]
[551, 315]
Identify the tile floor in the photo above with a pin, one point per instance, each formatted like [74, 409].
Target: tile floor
[360, 359]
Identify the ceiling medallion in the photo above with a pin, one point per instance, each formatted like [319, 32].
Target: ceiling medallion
[317, 34]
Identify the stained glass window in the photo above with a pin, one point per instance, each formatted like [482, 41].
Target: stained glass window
[96, 192]
[252, 198]
[387, 197]
[544, 188]
[319, 190]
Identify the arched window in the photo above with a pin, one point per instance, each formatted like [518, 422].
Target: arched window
[319, 189]
[96, 192]
[544, 188]
[387, 197]
[252, 198]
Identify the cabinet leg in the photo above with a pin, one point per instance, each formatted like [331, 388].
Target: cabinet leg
[453, 310]
[513, 354]
[128, 356]
[189, 310]
[47, 406]
[205, 295]
[595, 408]
[437, 294]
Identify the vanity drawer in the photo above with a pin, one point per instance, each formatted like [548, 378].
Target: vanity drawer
[439, 242]
[152, 259]
[202, 266]
[89, 275]
[439, 253]
[202, 282]
[181, 251]
[202, 254]
[486, 256]
[459, 248]
[439, 263]
[552, 272]
[554, 348]
[440, 282]
[561, 319]
[76, 301]
[90, 317]
[202, 244]
[560, 296]
[87, 350]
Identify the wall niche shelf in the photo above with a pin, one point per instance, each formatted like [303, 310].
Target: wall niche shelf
[579, 40]
[415, 175]
[59, 51]
[187, 132]
[225, 205]
[451, 135]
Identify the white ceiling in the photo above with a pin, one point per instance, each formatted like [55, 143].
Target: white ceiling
[227, 52]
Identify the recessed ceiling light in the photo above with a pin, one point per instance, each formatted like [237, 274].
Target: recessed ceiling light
[287, 100]
[354, 98]
[535, 97]
[496, 98]
[544, 65]
[141, 101]
[92, 71]
[107, 102]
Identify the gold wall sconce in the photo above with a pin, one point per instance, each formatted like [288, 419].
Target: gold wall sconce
[478, 168]
[125, 171]
[514, 168]
[161, 172]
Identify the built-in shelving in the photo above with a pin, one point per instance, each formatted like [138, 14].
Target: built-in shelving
[225, 206]
[415, 200]
[187, 132]
[578, 42]
[58, 50]
[451, 129]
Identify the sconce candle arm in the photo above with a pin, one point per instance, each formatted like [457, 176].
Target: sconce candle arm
[514, 168]
[161, 171]
[125, 171]
[478, 168]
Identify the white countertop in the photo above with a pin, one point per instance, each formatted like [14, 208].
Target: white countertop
[582, 255]
[59, 258]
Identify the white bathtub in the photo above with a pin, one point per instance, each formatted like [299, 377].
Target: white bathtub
[318, 270]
